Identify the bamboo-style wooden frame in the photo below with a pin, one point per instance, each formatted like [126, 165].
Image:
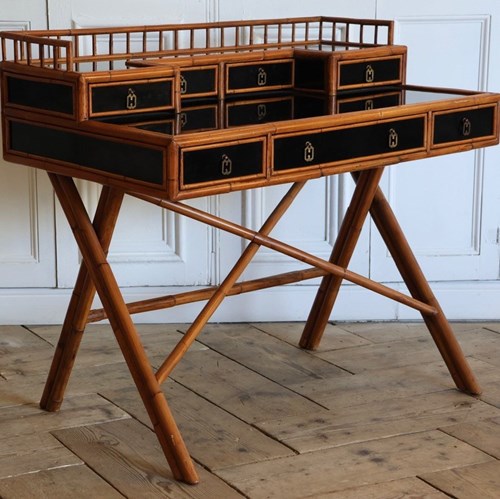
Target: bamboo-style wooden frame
[57, 58]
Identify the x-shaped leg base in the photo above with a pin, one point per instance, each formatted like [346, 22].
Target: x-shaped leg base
[96, 275]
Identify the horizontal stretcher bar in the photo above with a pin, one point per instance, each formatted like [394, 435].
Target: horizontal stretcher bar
[288, 250]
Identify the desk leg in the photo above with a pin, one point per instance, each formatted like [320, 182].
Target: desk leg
[128, 339]
[438, 325]
[81, 300]
[341, 255]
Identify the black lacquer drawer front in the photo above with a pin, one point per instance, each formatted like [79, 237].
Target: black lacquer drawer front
[348, 143]
[198, 82]
[39, 94]
[131, 97]
[259, 76]
[373, 72]
[464, 125]
[222, 163]
[138, 162]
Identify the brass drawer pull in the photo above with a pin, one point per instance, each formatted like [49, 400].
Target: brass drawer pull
[369, 74]
[466, 127]
[184, 85]
[308, 152]
[261, 77]
[131, 99]
[393, 139]
[226, 165]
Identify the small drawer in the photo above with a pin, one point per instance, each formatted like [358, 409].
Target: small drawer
[222, 163]
[465, 125]
[131, 97]
[370, 72]
[198, 82]
[260, 111]
[345, 144]
[264, 75]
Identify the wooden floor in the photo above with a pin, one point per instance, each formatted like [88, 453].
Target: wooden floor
[372, 414]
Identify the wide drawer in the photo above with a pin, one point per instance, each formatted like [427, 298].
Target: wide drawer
[131, 96]
[222, 163]
[370, 72]
[344, 144]
[464, 125]
[264, 75]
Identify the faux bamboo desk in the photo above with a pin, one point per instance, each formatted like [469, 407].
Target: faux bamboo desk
[168, 113]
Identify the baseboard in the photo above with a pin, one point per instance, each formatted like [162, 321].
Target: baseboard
[460, 301]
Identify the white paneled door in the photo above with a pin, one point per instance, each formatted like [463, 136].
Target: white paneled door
[27, 233]
[449, 207]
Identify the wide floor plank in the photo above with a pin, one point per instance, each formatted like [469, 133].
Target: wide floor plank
[468, 482]
[344, 467]
[381, 419]
[128, 456]
[75, 482]
[214, 437]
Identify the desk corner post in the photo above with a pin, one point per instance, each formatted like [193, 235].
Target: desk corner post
[100, 273]
[80, 303]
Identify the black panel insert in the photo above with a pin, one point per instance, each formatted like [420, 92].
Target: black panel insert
[223, 163]
[131, 96]
[254, 76]
[370, 72]
[464, 125]
[136, 162]
[198, 81]
[55, 97]
[310, 73]
[347, 143]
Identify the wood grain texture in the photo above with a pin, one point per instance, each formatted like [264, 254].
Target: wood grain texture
[32, 453]
[77, 482]
[214, 437]
[403, 430]
[285, 364]
[381, 419]
[481, 480]
[127, 455]
[77, 411]
[239, 390]
[366, 463]
[484, 435]
[406, 488]
[334, 338]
